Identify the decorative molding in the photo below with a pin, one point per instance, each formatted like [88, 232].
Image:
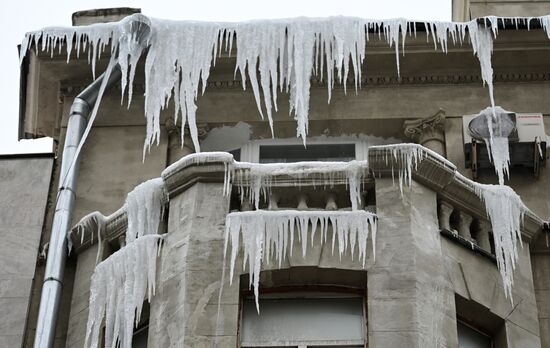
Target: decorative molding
[423, 129]
[72, 88]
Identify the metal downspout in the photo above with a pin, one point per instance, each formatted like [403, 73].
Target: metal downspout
[66, 194]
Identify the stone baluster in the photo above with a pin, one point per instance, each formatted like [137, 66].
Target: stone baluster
[122, 241]
[483, 237]
[273, 201]
[445, 211]
[302, 201]
[464, 223]
[331, 202]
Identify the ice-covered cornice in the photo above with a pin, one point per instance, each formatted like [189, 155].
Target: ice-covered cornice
[274, 56]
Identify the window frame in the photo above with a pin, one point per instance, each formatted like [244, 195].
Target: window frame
[474, 328]
[311, 291]
[250, 152]
[479, 318]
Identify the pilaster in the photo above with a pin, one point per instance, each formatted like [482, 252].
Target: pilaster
[428, 132]
[410, 300]
[184, 312]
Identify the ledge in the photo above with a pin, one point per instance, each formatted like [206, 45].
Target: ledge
[455, 238]
[442, 176]
[115, 226]
[194, 168]
[432, 170]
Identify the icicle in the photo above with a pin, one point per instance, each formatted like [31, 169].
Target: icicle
[255, 179]
[500, 153]
[407, 157]
[497, 142]
[267, 233]
[545, 23]
[180, 57]
[93, 222]
[392, 29]
[118, 288]
[286, 52]
[505, 210]
[144, 207]
[482, 44]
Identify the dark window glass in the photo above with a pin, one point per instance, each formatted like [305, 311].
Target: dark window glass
[236, 154]
[299, 153]
[469, 337]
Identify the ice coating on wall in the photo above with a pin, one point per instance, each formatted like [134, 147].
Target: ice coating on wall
[287, 54]
[270, 234]
[144, 207]
[260, 177]
[505, 210]
[118, 288]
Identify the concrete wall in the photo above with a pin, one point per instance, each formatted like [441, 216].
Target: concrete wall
[464, 10]
[24, 187]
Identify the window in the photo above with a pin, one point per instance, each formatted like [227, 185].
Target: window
[477, 326]
[299, 153]
[306, 320]
[468, 337]
[141, 332]
[293, 150]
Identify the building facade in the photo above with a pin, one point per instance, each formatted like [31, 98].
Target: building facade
[430, 280]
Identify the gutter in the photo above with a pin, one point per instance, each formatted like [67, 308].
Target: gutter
[80, 110]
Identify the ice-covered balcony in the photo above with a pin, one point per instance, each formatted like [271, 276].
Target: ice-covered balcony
[228, 226]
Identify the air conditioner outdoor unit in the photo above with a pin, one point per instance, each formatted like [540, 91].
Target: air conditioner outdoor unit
[526, 139]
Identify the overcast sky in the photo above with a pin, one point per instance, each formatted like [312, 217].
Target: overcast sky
[20, 16]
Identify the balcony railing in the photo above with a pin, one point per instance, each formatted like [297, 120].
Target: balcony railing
[466, 229]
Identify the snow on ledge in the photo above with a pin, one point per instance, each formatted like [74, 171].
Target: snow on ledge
[407, 156]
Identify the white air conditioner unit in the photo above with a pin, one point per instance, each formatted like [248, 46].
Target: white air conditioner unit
[526, 137]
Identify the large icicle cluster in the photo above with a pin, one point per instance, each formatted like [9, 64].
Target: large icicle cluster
[505, 210]
[504, 207]
[257, 179]
[144, 207]
[271, 233]
[286, 52]
[125, 279]
[118, 288]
